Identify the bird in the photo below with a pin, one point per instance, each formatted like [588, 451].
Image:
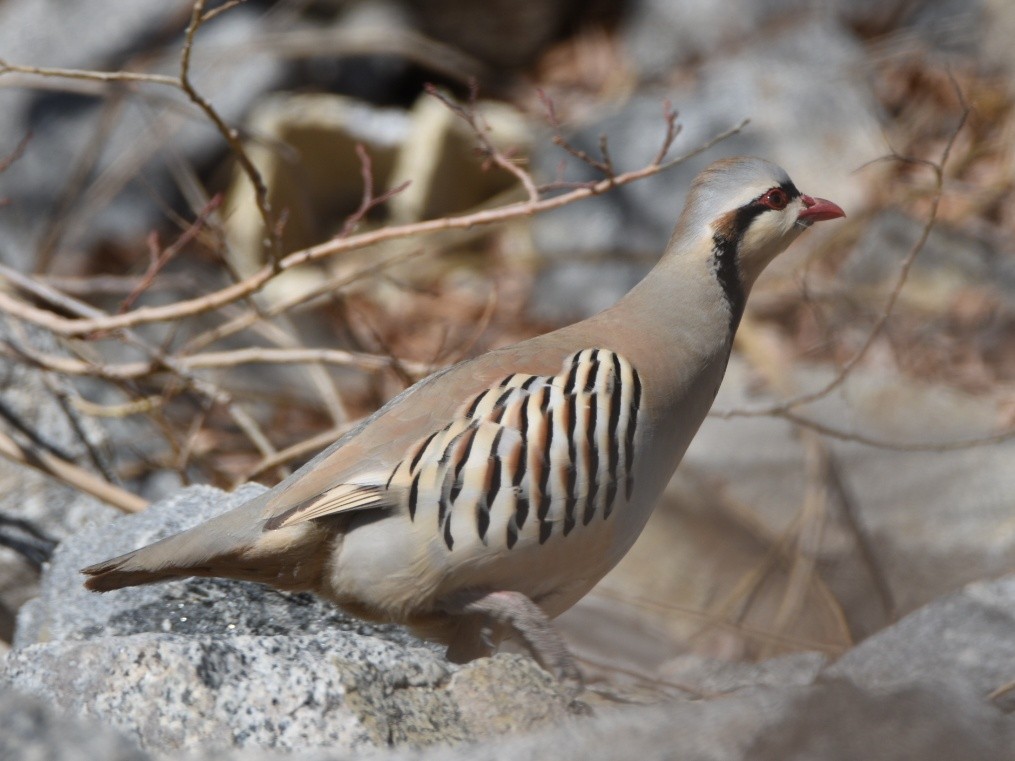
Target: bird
[491, 496]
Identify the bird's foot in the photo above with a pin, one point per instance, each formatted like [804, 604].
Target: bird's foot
[528, 622]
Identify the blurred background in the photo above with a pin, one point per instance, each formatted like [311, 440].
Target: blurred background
[800, 526]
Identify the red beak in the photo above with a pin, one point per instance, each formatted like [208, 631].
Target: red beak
[818, 210]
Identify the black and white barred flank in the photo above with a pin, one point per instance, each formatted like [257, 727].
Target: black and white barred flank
[537, 452]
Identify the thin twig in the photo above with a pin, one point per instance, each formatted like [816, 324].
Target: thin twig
[471, 115]
[158, 259]
[369, 201]
[672, 130]
[72, 305]
[872, 441]
[255, 282]
[327, 287]
[272, 242]
[71, 474]
[604, 165]
[218, 360]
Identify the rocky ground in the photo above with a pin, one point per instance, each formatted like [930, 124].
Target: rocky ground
[827, 580]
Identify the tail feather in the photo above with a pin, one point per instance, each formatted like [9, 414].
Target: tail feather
[233, 545]
[110, 575]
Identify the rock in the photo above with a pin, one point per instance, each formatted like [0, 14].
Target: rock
[174, 693]
[65, 610]
[31, 729]
[198, 664]
[963, 640]
[501, 33]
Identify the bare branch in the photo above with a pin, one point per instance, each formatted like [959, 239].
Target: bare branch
[273, 241]
[216, 360]
[17, 153]
[471, 116]
[254, 283]
[672, 130]
[872, 441]
[69, 473]
[369, 201]
[91, 76]
[159, 259]
[18, 309]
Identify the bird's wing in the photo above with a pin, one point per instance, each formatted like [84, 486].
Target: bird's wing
[561, 444]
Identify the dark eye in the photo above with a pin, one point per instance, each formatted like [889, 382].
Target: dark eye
[775, 198]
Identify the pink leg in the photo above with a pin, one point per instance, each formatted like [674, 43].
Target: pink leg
[525, 619]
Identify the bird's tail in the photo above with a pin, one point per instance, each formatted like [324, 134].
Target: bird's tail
[233, 545]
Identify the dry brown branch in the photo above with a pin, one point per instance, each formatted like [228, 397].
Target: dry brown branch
[10, 158]
[69, 473]
[369, 201]
[327, 287]
[873, 441]
[851, 514]
[73, 306]
[469, 113]
[216, 360]
[603, 165]
[672, 130]
[709, 618]
[159, 258]
[254, 283]
[273, 241]
[227, 6]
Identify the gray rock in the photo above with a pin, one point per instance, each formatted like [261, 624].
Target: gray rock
[65, 610]
[31, 730]
[292, 691]
[198, 664]
[964, 640]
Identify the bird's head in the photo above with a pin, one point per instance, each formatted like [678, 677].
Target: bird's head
[740, 214]
[751, 209]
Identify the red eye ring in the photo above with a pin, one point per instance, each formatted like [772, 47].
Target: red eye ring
[776, 198]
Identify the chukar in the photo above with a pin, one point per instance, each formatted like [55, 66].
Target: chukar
[491, 496]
